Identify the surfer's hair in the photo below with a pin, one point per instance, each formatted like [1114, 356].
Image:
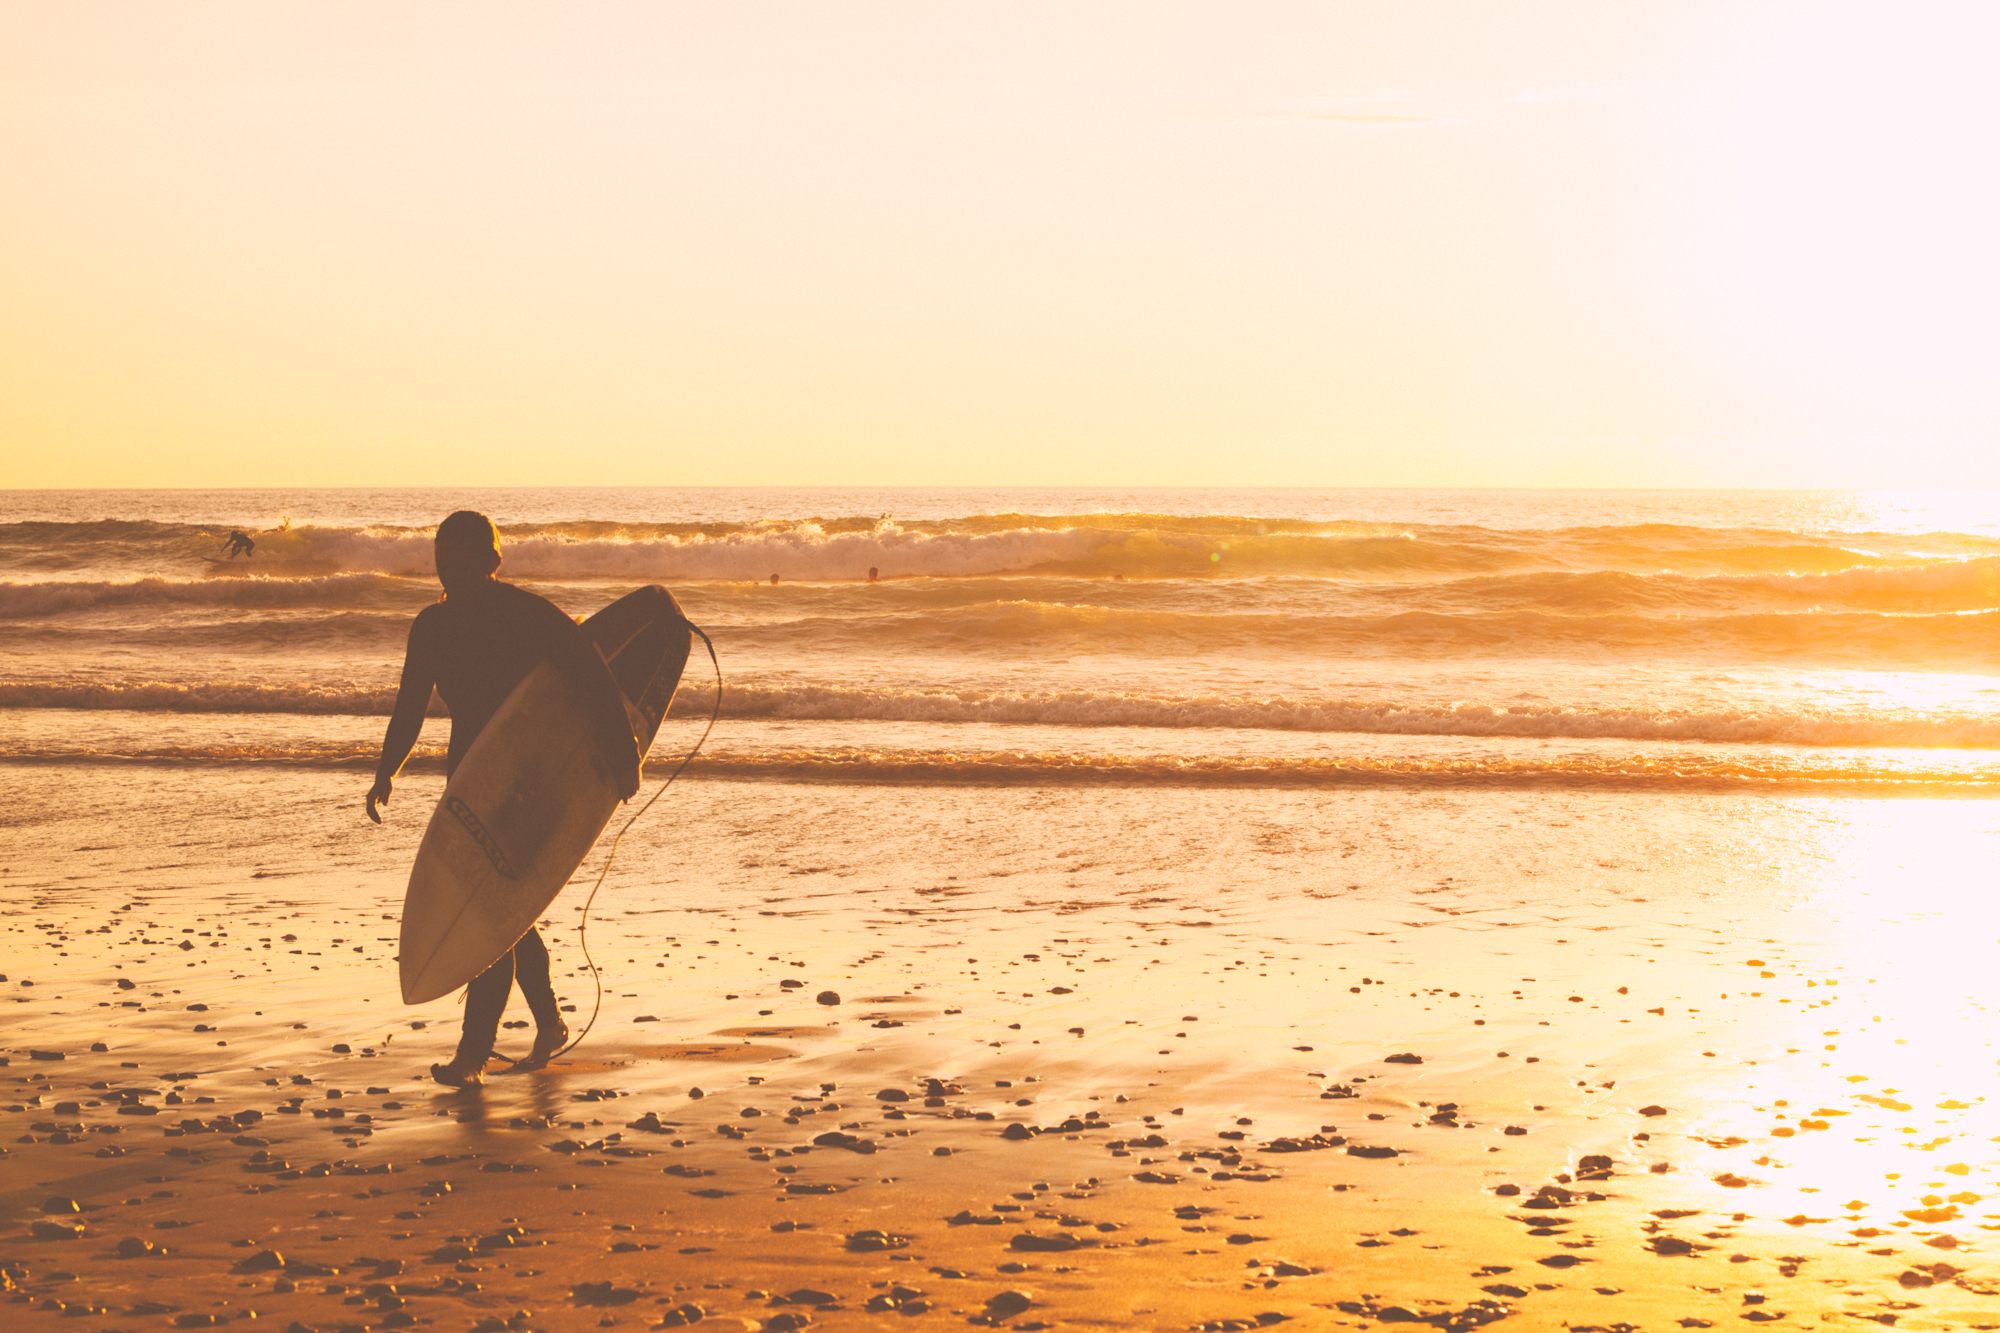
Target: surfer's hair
[471, 528]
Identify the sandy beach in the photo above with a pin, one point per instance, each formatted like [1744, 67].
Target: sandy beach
[1149, 1058]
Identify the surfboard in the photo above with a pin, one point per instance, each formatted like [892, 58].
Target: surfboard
[529, 799]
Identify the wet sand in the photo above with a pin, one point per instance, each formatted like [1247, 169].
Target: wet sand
[1147, 1058]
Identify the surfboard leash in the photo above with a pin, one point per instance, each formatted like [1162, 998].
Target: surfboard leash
[597, 978]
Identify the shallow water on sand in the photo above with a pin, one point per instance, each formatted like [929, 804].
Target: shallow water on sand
[1800, 985]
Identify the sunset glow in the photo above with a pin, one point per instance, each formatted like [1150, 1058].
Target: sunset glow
[1351, 244]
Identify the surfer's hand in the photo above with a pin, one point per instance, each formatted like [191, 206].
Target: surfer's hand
[627, 780]
[378, 792]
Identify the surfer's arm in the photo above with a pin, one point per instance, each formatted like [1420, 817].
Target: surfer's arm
[406, 721]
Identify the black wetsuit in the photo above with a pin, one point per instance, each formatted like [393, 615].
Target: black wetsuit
[475, 647]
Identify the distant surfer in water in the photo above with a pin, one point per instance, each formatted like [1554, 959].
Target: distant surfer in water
[474, 646]
[239, 543]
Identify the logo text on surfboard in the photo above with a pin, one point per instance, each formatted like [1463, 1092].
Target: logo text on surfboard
[487, 843]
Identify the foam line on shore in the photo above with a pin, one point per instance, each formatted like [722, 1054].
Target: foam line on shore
[1940, 728]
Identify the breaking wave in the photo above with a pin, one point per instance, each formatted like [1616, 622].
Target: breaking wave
[1680, 772]
[1086, 708]
[1091, 545]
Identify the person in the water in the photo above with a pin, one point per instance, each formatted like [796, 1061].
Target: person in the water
[474, 646]
[239, 543]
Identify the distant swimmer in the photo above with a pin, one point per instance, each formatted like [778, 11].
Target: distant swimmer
[239, 543]
[774, 580]
[874, 574]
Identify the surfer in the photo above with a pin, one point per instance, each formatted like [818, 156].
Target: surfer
[474, 645]
[239, 543]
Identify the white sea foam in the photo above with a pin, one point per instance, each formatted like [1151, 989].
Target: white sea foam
[1107, 708]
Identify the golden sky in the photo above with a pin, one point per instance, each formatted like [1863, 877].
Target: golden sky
[1407, 242]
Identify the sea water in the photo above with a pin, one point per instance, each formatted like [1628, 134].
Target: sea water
[1816, 641]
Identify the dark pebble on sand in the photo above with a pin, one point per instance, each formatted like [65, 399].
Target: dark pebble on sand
[1652, 1110]
[1404, 1059]
[791, 983]
[892, 1095]
[46, 1055]
[827, 997]
[46, 1230]
[874, 1242]
[57, 1204]
[1008, 1304]
[1017, 1132]
[132, 1247]
[264, 1261]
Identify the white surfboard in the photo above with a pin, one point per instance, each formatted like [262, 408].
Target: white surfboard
[528, 801]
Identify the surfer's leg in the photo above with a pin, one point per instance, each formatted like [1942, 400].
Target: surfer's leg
[531, 971]
[485, 1001]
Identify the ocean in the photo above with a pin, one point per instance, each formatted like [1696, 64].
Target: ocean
[1813, 641]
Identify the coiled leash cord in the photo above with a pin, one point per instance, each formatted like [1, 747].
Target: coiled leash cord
[597, 1004]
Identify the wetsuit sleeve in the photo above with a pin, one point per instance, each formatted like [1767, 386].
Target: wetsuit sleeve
[413, 697]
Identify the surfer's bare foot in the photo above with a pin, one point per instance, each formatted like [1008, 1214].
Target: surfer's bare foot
[460, 1073]
[547, 1042]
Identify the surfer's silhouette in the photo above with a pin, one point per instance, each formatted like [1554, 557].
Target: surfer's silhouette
[474, 646]
[239, 543]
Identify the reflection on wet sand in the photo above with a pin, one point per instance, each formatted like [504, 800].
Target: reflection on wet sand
[1591, 1058]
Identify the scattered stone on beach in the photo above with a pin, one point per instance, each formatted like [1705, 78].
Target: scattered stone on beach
[1406, 1058]
[1652, 1110]
[1008, 1303]
[827, 997]
[873, 1242]
[892, 1095]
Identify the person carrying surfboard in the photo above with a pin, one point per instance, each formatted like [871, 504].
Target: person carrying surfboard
[473, 646]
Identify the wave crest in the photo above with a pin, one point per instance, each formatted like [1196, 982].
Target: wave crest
[1088, 708]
